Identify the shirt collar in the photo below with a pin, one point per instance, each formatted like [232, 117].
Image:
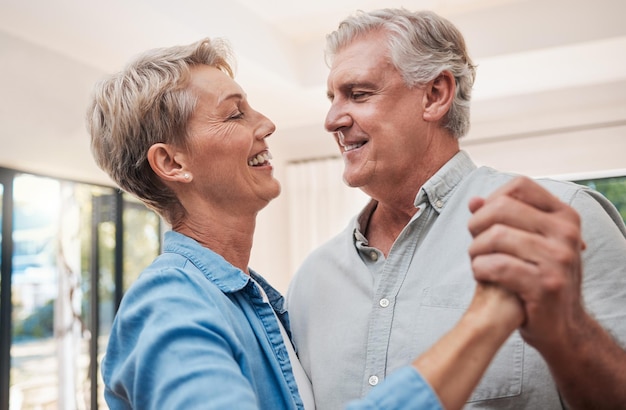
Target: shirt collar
[437, 190]
[219, 271]
[363, 219]
[440, 187]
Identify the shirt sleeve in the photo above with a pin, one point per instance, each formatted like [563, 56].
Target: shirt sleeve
[172, 348]
[604, 261]
[404, 389]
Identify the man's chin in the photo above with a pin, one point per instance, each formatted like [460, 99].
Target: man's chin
[351, 180]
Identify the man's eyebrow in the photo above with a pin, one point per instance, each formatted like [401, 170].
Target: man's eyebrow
[348, 87]
[361, 84]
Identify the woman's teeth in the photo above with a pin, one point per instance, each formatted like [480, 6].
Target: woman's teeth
[260, 159]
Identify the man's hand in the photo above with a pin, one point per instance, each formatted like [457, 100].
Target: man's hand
[529, 242]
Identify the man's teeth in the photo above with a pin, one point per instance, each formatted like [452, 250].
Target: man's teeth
[351, 147]
[259, 159]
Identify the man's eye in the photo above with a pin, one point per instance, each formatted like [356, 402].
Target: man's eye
[358, 95]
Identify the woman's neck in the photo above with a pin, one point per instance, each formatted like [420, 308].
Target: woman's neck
[227, 235]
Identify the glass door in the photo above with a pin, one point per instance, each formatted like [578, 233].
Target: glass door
[62, 273]
[68, 251]
[38, 295]
[5, 290]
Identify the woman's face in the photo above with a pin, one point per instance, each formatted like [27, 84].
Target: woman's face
[228, 153]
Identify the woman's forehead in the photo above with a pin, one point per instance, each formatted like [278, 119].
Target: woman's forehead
[212, 82]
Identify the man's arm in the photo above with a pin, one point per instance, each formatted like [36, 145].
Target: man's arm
[529, 242]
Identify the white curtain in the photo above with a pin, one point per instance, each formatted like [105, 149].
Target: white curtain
[320, 205]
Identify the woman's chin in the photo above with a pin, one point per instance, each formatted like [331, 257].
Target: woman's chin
[273, 191]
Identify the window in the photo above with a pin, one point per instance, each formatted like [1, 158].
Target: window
[66, 276]
[613, 188]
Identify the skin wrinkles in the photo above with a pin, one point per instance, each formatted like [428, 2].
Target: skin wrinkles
[366, 91]
[223, 190]
[362, 118]
[246, 132]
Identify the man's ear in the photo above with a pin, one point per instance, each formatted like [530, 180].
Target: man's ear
[438, 96]
[168, 163]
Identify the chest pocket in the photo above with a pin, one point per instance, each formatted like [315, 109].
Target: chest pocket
[441, 308]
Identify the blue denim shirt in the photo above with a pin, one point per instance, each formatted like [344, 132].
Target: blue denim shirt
[194, 332]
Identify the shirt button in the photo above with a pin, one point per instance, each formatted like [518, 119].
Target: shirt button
[439, 203]
[384, 302]
[373, 380]
[374, 256]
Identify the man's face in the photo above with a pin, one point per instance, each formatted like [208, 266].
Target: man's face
[375, 118]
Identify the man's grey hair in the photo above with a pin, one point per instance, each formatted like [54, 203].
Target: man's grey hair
[421, 46]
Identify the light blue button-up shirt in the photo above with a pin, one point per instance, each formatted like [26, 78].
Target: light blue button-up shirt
[358, 317]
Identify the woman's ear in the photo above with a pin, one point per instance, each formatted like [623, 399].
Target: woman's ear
[168, 163]
[438, 96]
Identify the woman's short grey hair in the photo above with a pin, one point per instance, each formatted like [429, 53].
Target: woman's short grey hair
[147, 103]
[421, 45]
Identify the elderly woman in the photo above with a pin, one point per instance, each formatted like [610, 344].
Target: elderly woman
[199, 328]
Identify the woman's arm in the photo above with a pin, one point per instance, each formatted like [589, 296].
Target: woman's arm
[454, 365]
[449, 371]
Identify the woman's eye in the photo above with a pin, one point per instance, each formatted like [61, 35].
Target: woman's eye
[236, 116]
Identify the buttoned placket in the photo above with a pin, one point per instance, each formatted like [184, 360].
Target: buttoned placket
[387, 286]
[266, 314]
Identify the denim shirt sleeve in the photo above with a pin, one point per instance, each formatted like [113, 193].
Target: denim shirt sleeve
[403, 389]
[180, 343]
[149, 366]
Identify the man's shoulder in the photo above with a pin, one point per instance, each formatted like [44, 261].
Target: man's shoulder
[331, 247]
[588, 202]
[490, 179]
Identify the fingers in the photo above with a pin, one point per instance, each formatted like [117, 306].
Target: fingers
[475, 204]
[528, 191]
[527, 241]
[529, 280]
[506, 211]
[543, 231]
[524, 205]
[528, 246]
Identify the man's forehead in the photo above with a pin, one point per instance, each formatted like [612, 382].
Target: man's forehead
[367, 74]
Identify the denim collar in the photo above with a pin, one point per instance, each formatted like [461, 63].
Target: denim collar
[218, 270]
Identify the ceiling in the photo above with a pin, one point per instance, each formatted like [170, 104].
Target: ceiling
[543, 65]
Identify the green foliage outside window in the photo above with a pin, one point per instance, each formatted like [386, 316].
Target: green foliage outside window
[612, 188]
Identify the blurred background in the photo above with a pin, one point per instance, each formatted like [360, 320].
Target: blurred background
[549, 100]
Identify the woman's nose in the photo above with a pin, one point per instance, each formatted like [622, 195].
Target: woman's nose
[265, 128]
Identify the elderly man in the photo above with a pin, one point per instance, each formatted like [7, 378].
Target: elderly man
[402, 273]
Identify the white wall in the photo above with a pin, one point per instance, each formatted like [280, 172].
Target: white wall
[566, 131]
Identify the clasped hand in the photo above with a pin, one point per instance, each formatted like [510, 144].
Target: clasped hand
[529, 242]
